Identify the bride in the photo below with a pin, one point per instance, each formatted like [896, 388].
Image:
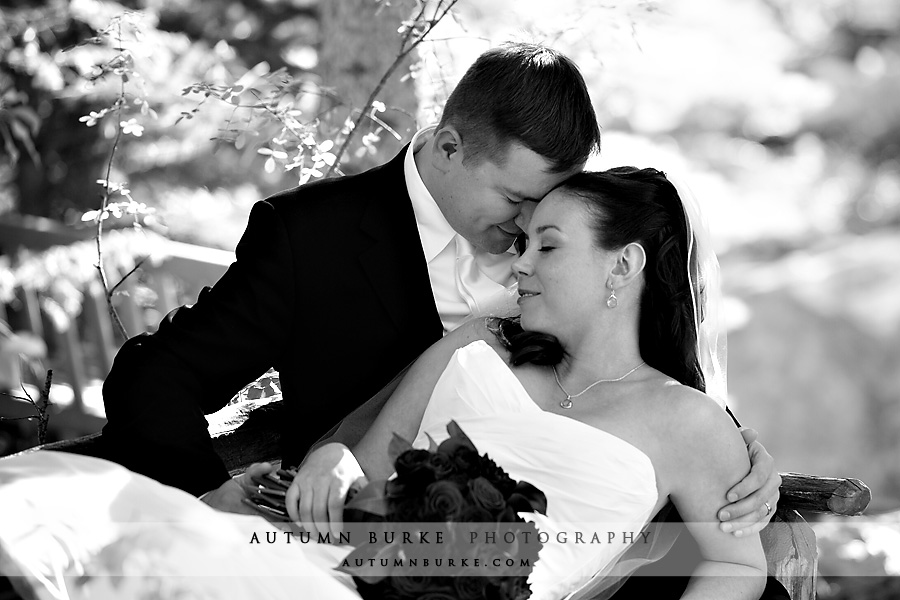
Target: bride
[595, 395]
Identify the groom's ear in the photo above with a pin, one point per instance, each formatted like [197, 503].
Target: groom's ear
[630, 263]
[446, 149]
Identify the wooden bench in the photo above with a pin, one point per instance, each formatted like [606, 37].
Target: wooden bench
[244, 434]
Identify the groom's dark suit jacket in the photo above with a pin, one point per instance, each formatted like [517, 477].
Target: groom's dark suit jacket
[330, 287]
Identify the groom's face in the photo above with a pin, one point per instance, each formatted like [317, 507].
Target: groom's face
[491, 200]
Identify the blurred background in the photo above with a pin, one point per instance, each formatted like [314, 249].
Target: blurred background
[783, 116]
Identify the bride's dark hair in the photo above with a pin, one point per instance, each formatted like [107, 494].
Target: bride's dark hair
[634, 205]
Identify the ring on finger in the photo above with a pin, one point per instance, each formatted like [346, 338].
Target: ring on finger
[768, 509]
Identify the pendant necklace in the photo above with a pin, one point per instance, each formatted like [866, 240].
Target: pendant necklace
[567, 403]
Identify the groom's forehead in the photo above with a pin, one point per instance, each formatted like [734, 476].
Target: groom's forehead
[526, 175]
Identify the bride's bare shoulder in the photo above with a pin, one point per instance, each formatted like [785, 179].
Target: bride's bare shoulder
[688, 408]
[697, 427]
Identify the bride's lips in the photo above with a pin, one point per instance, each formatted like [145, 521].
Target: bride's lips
[525, 294]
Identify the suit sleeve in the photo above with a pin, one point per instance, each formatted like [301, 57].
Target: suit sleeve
[161, 385]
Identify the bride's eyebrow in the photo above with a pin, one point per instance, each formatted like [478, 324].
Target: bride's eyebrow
[544, 228]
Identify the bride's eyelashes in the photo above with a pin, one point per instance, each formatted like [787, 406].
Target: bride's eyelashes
[546, 248]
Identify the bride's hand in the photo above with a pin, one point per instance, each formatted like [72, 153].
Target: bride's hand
[315, 499]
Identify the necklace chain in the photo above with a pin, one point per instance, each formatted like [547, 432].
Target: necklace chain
[567, 403]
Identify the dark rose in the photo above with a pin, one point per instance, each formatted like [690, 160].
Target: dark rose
[407, 510]
[436, 596]
[469, 588]
[474, 514]
[441, 465]
[486, 495]
[467, 461]
[515, 588]
[509, 515]
[444, 498]
[410, 460]
[380, 589]
[487, 554]
[497, 476]
[414, 471]
[411, 585]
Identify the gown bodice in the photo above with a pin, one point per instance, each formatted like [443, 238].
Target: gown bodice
[595, 482]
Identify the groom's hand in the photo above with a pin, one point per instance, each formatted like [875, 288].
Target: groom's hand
[229, 496]
[753, 499]
[315, 499]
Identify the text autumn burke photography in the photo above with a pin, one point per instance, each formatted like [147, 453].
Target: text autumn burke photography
[436, 534]
[449, 548]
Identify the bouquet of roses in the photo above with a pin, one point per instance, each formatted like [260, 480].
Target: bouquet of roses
[461, 499]
[445, 527]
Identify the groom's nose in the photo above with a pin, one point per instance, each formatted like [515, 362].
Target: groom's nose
[526, 210]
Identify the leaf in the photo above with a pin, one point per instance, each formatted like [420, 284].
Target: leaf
[527, 498]
[29, 117]
[456, 431]
[19, 131]
[432, 445]
[370, 499]
[397, 447]
[11, 149]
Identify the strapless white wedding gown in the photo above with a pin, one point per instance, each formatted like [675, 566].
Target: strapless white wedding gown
[68, 522]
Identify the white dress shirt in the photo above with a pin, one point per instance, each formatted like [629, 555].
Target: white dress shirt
[466, 282]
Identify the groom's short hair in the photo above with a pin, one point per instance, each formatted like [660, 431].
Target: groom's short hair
[525, 93]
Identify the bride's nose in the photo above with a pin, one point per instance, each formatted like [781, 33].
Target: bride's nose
[523, 267]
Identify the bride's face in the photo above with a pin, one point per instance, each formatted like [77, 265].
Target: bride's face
[562, 274]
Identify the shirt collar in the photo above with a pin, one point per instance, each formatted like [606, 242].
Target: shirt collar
[434, 230]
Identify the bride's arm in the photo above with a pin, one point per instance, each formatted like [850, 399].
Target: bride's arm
[402, 413]
[708, 457]
[315, 499]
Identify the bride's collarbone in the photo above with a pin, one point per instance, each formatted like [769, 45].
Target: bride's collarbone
[616, 408]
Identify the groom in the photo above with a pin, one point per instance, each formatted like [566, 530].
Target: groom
[341, 283]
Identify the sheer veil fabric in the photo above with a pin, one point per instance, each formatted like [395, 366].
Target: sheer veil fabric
[706, 291]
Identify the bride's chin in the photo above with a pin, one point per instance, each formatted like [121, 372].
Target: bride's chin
[529, 323]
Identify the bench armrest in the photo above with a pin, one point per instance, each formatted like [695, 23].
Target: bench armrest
[840, 496]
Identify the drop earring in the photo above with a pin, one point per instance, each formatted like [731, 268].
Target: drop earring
[612, 301]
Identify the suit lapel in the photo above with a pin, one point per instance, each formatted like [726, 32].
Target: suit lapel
[395, 262]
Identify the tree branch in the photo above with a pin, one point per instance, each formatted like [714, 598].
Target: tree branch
[105, 202]
[137, 266]
[404, 52]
